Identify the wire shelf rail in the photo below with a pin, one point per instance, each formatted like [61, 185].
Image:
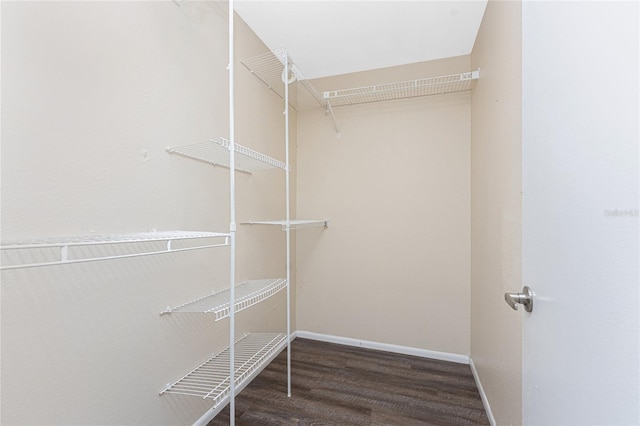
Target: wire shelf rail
[216, 152]
[293, 224]
[404, 89]
[210, 380]
[247, 294]
[77, 249]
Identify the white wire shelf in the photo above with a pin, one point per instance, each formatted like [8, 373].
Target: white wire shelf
[404, 89]
[293, 224]
[91, 248]
[211, 380]
[269, 68]
[216, 152]
[247, 294]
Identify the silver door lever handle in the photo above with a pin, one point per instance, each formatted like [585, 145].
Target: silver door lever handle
[525, 299]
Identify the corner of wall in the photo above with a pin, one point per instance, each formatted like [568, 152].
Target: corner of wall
[496, 212]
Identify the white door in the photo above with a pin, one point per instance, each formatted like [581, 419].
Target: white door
[580, 213]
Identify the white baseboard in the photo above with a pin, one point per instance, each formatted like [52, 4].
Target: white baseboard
[405, 350]
[483, 395]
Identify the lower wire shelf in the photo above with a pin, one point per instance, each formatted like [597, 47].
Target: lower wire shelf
[211, 379]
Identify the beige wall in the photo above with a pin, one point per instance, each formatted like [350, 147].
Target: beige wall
[496, 215]
[393, 266]
[92, 94]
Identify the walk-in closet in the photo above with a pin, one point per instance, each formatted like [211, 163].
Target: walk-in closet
[287, 212]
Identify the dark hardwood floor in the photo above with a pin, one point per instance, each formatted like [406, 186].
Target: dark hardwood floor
[342, 385]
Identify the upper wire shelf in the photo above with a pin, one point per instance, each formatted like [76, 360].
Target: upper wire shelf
[404, 89]
[216, 152]
[211, 379]
[269, 68]
[293, 224]
[64, 250]
[247, 294]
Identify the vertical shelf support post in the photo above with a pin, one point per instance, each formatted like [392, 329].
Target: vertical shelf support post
[232, 224]
[287, 218]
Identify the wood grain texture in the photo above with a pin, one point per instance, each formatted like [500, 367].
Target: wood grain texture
[343, 385]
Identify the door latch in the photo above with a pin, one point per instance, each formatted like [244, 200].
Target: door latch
[525, 299]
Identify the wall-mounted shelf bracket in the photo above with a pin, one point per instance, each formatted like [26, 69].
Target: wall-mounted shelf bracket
[329, 111]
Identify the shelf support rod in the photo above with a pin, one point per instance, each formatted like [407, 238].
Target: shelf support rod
[232, 225]
[329, 110]
[288, 217]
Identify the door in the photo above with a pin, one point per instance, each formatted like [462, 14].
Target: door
[580, 213]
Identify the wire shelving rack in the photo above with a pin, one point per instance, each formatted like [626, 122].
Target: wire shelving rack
[222, 376]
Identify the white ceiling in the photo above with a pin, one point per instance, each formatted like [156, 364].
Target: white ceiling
[337, 37]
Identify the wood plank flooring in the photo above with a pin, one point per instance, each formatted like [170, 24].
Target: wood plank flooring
[342, 385]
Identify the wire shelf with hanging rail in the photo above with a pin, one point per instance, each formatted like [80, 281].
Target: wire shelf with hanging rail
[211, 379]
[401, 90]
[90, 248]
[247, 294]
[216, 153]
[270, 69]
